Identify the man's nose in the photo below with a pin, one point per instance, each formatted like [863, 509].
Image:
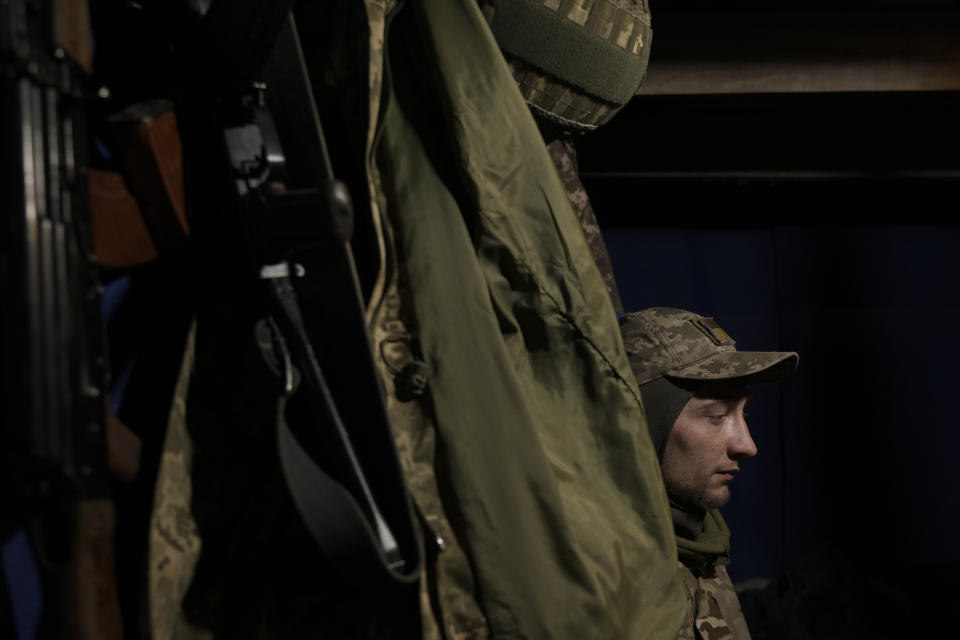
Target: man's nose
[741, 445]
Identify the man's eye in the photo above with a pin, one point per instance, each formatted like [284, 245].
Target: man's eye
[717, 418]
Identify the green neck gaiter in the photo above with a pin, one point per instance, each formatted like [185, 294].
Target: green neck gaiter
[711, 545]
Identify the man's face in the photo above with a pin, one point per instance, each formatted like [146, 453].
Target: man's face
[707, 444]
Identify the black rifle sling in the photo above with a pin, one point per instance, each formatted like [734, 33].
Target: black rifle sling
[346, 523]
[336, 449]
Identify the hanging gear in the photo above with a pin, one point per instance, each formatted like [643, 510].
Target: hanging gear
[577, 63]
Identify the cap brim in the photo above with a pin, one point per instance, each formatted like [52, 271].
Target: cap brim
[752, 366]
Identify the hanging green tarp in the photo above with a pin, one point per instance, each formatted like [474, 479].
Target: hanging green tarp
[542, 446]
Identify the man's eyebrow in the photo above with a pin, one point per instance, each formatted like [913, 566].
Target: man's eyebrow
[711, 404]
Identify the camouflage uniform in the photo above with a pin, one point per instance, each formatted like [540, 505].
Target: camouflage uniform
[174, 539]
[448, 606]
[447, 602]
[564, 156]
[713, 607]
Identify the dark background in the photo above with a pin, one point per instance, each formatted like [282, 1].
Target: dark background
[809, 209]
[822, 222]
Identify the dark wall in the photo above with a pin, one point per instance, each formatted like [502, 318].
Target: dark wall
[730, 275]
[863, 435]
[825, 225]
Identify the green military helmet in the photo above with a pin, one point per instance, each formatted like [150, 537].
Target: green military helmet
[662, 341]
[577, 62]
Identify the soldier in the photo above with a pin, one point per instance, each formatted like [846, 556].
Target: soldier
[693, 383]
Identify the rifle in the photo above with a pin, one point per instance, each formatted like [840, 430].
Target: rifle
[57, 482]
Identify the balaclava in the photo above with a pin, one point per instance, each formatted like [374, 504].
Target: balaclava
[672, 353]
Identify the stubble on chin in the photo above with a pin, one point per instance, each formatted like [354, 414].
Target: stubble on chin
[700, 497]
[716, 500]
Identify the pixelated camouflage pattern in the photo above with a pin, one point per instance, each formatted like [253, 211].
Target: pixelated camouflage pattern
[377, 15]
[448, 607]
[556, 101]
[662, 341]
[564, 156]
[623, 22]
[714, 611]
[174, 541]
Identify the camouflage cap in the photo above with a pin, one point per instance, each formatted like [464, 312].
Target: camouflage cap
[662, 341]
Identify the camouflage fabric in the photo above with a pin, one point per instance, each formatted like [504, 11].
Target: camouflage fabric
[662, 341]
[559, 94]
[564, 156]
[557, 101]
[377, 15]
[448, 606]
[174, 539]
[713, 608]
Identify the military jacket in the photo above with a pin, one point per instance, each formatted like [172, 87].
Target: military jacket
[713, 609]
